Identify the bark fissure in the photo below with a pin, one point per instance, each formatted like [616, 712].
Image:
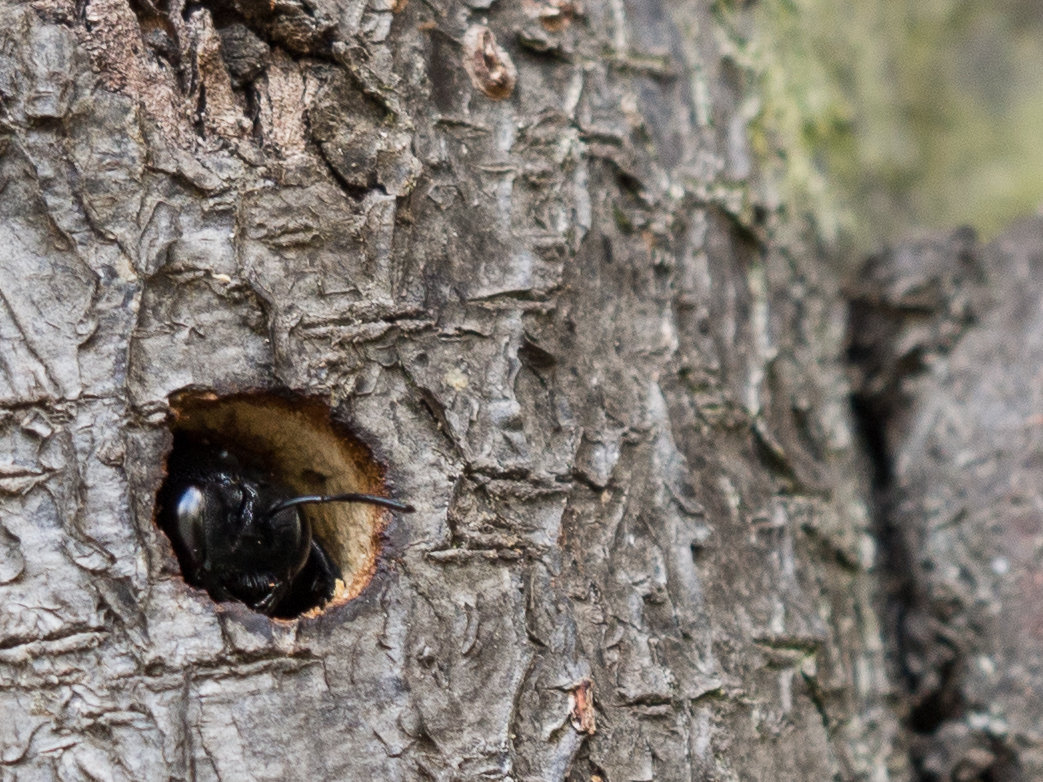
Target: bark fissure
[938, 335]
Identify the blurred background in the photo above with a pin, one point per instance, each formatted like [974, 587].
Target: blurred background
[900, 114]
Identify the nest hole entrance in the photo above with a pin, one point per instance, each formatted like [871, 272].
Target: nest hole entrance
[296, 445]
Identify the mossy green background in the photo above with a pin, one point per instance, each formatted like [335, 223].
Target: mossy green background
[881, 117]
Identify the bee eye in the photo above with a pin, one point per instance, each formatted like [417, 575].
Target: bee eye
[190, 506]
[190, 512]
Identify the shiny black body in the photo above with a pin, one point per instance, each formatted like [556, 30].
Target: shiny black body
[240, 535]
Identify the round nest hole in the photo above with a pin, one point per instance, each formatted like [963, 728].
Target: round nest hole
[235, 462]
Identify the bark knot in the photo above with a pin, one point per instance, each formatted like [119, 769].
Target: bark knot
[490, 67]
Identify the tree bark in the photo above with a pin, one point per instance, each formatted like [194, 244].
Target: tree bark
[946, 336]
[521, 251]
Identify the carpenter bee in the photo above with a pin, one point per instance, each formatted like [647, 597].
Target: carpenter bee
[240, 535]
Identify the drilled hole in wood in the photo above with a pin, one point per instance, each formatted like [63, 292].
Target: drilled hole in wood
[234, 463]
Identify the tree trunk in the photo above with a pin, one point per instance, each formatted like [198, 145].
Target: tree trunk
[947, 336]
[519, 250]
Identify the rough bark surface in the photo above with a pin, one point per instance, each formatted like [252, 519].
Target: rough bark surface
[512, 246]
[946, 339]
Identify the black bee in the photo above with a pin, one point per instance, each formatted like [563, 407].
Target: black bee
[239, 534]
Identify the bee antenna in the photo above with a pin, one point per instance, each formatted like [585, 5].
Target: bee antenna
[317, 499]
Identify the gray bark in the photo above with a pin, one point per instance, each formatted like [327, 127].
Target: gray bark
[947, 337]
[528, 265]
